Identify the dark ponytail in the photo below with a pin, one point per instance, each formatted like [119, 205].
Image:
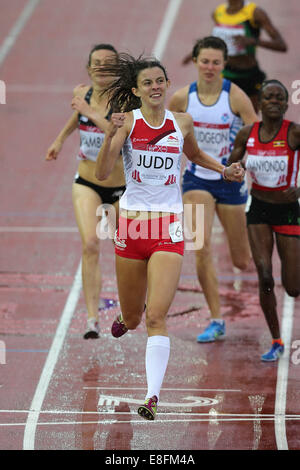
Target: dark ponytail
[126, 71]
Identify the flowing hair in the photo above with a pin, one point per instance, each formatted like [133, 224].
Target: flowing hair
[125, 74]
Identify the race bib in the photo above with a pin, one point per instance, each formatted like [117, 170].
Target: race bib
[213, 138]
[175, 231]
[270, 172]
[228, 34]
[91, 140]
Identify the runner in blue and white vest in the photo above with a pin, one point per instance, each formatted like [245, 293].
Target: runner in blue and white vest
[218, 108]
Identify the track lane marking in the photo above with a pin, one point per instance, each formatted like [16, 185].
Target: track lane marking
[46, 375]
[17, 28]
[166, 28]
[283, 372]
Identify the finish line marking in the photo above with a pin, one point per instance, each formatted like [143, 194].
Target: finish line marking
[208, 419]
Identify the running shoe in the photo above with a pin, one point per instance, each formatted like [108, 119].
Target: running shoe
[118, 328]
[92, 329]
[275, 352]
[149, 408]
[212, 332]
[105, 304]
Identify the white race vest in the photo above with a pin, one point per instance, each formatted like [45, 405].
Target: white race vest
[215, 128]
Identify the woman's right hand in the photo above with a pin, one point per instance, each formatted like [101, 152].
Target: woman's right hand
[54, 150]
[80, 105]
[116, 121]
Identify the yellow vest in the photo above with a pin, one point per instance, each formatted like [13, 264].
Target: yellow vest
[240, 23]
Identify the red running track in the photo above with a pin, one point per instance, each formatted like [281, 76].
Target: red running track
[57, 391]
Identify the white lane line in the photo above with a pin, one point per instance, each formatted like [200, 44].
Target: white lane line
[283, 372]
[166, 28]
[130, 422]
[163, 388]
[167, 413]
[27, 229]
[41, 390]
[17, 28]
[39, 88]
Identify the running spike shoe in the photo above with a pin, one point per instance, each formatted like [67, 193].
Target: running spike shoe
[149, 408]
[118, 328]
[92, 329]
[274, 354]
[212, 332]
[105, 304]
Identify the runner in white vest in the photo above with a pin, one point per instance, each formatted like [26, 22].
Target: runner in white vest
[149, 261]
[218, 108]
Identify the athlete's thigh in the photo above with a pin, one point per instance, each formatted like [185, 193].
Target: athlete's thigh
[233, 220]
[262, 243]
[85, 202]
[163, 277]
[112, 217]
[191, 200]
[289, 253]
[132, 284]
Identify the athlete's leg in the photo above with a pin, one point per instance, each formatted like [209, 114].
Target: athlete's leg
[289, 253]
[233, 219]
[204, 260]
[262, 243]
[132, 289]
[86, 201]
[163, 276]
[163, 273]
[112, 215]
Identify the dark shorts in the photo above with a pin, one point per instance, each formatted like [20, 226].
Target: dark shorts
[108, 195]
[139, 239]
[248, 80]
[283, 218]
[223, 192]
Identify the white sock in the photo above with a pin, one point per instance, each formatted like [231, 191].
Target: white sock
[157, 357]
[217, 320]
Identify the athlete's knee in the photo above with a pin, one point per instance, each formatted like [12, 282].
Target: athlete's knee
[266, 283]
[132, 318]
[241, 263]
[292, 291]
[90, 246]
[204, 254]
[132, 322]
[155, 318]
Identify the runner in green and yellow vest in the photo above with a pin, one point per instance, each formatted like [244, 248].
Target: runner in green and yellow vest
[239, 23]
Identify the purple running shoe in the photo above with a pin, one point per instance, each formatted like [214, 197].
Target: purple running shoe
[118, 328]
[149, 408]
